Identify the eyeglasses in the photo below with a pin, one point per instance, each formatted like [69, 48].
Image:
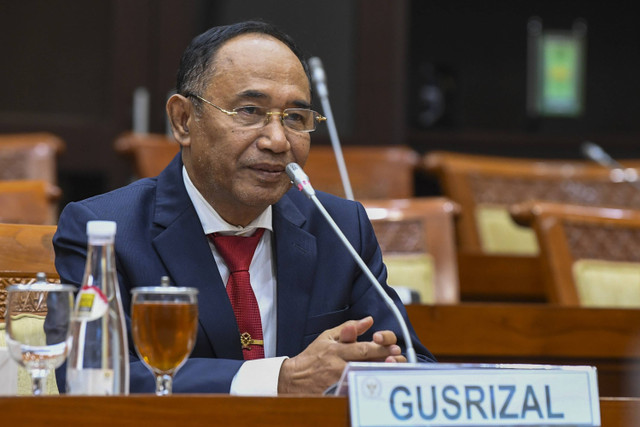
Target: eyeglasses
[297, 119]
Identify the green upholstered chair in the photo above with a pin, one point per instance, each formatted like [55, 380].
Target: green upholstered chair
[28, 202]
[590, 255]
[485, 187]
[375, 172]
[417, 239]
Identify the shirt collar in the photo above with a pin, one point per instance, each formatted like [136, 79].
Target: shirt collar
[212, 222]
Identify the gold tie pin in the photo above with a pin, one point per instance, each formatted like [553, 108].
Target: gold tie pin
[246, 340]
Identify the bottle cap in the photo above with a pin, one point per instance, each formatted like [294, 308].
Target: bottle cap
[102, 229]
[164, 281]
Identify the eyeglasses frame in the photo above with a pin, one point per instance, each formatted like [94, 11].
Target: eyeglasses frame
[318, 118]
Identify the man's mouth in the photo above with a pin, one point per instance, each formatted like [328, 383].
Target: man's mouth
[266, 167]
[269, 171]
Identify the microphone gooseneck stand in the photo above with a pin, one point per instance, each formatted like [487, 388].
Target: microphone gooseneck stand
[300, 180]
[594, 152]
[319, 79]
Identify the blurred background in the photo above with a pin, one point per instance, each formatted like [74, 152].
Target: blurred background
[454, 74]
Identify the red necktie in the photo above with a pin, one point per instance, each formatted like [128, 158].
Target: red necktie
[237, 252]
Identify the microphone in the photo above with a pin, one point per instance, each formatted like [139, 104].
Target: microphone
[618, 173]
[319, 77]
[301, 180]
[597, 154]
[320, 80]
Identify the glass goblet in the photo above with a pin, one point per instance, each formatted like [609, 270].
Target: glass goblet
[37, 326]
[164, 324]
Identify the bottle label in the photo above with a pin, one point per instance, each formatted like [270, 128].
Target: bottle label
[91, 303]
[90, 381]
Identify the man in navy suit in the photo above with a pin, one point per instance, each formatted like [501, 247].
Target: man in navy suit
[241, 114]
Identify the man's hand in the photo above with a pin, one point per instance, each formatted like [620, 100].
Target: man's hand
[321, 364]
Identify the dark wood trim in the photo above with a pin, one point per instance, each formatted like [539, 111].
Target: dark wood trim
[198, 410]
[380, 77]
[498, 278]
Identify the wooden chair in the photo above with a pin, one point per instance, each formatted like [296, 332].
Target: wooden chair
[149, 152]
[375, 172]
[25, 250]
[485, 186]
[590, 255]
[30, 156]
[417, 240]
[28, 202]
[498, 259]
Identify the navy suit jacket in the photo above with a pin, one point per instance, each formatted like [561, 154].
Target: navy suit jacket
[319, 285]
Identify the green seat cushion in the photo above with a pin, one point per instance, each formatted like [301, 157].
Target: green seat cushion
[499, 234]
[414, 271]
[607, 283]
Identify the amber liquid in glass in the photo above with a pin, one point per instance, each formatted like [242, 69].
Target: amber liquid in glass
[164, 333]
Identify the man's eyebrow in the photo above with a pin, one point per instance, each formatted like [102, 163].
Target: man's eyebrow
[302, 104]
[255, 94]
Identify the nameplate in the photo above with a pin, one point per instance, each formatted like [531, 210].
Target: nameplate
[439, 394]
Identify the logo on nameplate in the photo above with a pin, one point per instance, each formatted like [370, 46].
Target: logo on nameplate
[371, 387]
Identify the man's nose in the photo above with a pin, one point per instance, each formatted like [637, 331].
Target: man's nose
[274, 129]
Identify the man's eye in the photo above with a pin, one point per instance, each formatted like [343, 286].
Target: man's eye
[295, 117]
[249, 110]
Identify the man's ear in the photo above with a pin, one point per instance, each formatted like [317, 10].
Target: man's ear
[179, 111]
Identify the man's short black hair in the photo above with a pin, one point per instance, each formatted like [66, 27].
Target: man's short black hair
[195, 70]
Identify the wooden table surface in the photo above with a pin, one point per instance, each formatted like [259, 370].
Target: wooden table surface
[213, 410]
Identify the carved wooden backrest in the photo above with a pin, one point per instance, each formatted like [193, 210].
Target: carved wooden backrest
[375, 172]
[25, 250]
[150, 152]
[474, 181]
[28, 202]
[570, 233]
[31, 156]
[420, 225]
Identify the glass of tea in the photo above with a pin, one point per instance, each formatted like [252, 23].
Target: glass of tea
[164, 323]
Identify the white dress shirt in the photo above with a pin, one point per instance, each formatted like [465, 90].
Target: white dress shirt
[255, 377]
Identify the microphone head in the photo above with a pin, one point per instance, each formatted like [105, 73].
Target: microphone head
[592, 151]
[293, 170]
[300, 179]
[317, 71]
[597, 154]
[318, 76]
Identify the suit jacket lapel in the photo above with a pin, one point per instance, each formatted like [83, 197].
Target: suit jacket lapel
[295, 252]
[185, 251]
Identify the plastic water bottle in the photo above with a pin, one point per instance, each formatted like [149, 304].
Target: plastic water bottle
[98, 363]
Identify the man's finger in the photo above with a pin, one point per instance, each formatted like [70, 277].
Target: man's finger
[348, 334]
[364, 324]
[360, 327]
[385, 338]
[396, 359]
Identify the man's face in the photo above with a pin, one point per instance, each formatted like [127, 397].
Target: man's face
[241, 171]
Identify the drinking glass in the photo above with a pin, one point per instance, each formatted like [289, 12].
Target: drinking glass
[37, 327]
[164, 323]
